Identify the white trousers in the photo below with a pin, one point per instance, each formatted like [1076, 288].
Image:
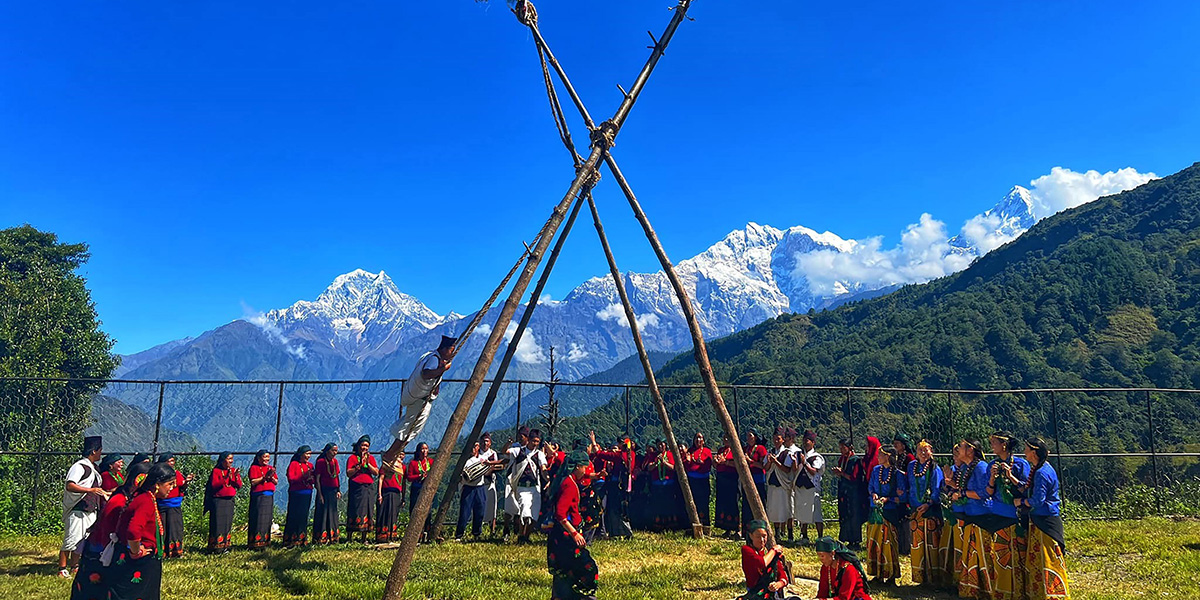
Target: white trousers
[779, 503]
[489, 502]
[806, 506]
[410, 424]
[75, 527]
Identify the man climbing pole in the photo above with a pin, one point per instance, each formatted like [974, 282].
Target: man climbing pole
[417, 396]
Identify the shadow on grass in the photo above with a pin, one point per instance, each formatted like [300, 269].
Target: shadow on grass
[283, 566]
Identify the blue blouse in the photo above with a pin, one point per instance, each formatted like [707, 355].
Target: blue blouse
[888, 491]
[923, 484]
[978, 483]
[1020, 470]
[1044, 498]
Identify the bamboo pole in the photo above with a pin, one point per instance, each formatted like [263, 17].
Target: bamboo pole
[651, 381]
[498, 377]
[394, 588]
[699, 350]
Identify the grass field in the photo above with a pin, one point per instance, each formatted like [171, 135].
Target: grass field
[1152, 558]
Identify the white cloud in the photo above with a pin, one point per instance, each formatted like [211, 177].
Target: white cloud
[615, 312]
[576, 353]
[483, 329]
[1064, 188]
[528, 349]
[983, 232]
[259, 319]
[924, 253]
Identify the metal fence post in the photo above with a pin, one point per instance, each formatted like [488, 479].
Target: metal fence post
[950, 417]
[162, 390]
[1153, 453]
[518, 426]
[628, 431]
[41, 444]
[278, 425]
[737, 415]
[850, 417]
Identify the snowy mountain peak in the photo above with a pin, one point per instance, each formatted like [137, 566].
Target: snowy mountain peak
[1017, 204]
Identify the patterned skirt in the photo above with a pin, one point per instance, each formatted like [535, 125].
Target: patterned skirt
[220, 524]
[326, 529]
[665, 505]
[172, 518]
[135, 579]
[295, 528]
[976, 576]
[1046, 570]
[360, 507]
[574, 571]
[1008, 563]
[883, 551]
[701, 495]
[727, 501]
[262, 517]
[925, 553]
[91, 580]
[591, 508]
[389, 515]
[747, 514]
[946, 556]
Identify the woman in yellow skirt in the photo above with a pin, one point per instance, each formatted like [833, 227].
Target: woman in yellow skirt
[948, 561]
[1008, 474]
[975, 574]
[1046, 573]
[883, 548]
[924, 487]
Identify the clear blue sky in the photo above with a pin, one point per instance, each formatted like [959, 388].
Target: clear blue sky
[218, 153]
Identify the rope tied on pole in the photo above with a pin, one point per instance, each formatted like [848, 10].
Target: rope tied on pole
[604, 135]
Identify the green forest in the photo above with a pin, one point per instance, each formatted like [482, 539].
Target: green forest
[1103, 295]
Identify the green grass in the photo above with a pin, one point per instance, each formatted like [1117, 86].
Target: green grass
[1152, 558]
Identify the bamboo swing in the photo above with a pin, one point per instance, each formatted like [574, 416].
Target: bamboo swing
[602, 137]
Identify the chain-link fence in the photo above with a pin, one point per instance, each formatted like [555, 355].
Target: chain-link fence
[1119, 452]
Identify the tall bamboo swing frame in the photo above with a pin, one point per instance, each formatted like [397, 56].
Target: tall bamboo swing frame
[602, 138]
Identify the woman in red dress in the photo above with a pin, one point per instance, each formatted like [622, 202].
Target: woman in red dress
[136, 571]
[361, 470]
[567, 556]
[262, 501]
[326, 529]
[223, 485]
[112, 474]
[842, 575]
[699, 463]
[762, 566]
[301, 479]
[391, 500]
[93, 578]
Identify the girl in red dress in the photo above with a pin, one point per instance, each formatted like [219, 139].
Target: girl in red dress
[842, 575]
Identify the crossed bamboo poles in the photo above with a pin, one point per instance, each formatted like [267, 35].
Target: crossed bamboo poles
[602, 139]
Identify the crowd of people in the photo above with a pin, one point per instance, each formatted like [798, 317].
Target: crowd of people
[988, 530]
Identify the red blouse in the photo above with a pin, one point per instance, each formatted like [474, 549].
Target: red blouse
[139, 521]
[754, 567]
[266, 485]
[727, 466]
[180, 482]
[848, 585]
[108, 482]
[328, 471]
[298, 476]
[667, 471]
[225, 483]
[701, 462]
[394, 481]
[106, 523]
[417, 469]
[756, 457]
[567, 507]
[363, 476]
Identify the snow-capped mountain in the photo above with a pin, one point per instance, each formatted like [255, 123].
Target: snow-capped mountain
[1000, 224]
[362, 316]
[364, 326]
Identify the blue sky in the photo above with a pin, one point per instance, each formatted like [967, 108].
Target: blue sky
[217, 155]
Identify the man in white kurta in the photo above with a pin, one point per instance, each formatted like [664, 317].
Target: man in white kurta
[488, 455]
[778, 465]
[417, 396]
[525, 479]
[807, 498]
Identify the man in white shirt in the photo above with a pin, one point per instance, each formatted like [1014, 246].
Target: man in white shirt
[529, 469]
[417, 396]
[807, 504]
[789, 439]
[489, 456]
[511, 514]
[82, 499]
[779, 464]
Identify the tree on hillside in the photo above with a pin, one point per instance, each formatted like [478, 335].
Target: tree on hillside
[550, 416]
[48, 328]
